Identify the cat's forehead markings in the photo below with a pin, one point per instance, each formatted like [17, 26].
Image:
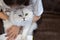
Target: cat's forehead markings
[22, 12]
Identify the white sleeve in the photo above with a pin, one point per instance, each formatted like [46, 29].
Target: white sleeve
[37, 7]
[0, 5]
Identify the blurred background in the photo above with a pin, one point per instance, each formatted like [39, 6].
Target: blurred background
[49, 24]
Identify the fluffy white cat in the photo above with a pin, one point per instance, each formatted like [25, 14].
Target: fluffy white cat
[21, 17]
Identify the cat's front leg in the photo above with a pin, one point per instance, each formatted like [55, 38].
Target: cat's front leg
[24, 36]
[25, 32]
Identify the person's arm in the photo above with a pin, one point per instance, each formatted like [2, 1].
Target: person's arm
[37, 9]
[36, 18]
[3, 16]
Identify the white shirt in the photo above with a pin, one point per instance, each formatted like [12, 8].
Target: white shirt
[37, 7]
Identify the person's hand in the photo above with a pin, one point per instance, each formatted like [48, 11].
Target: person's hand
[36, 18]
[3, 16]
[12, 32]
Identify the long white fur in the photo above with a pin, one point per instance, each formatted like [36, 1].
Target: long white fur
[15, 19]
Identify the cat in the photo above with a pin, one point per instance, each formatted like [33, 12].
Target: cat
[21, 17]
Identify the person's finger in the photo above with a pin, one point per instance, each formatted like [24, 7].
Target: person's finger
[10, 36]
[9, 33]
[15, 36]
[8, 29]
[11, 39]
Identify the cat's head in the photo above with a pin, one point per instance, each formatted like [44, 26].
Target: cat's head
[24, 14]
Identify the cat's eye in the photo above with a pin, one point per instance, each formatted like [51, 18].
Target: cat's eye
[20, 15]
[26, 14]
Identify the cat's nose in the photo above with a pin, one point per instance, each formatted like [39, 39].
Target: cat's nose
[24, 19]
